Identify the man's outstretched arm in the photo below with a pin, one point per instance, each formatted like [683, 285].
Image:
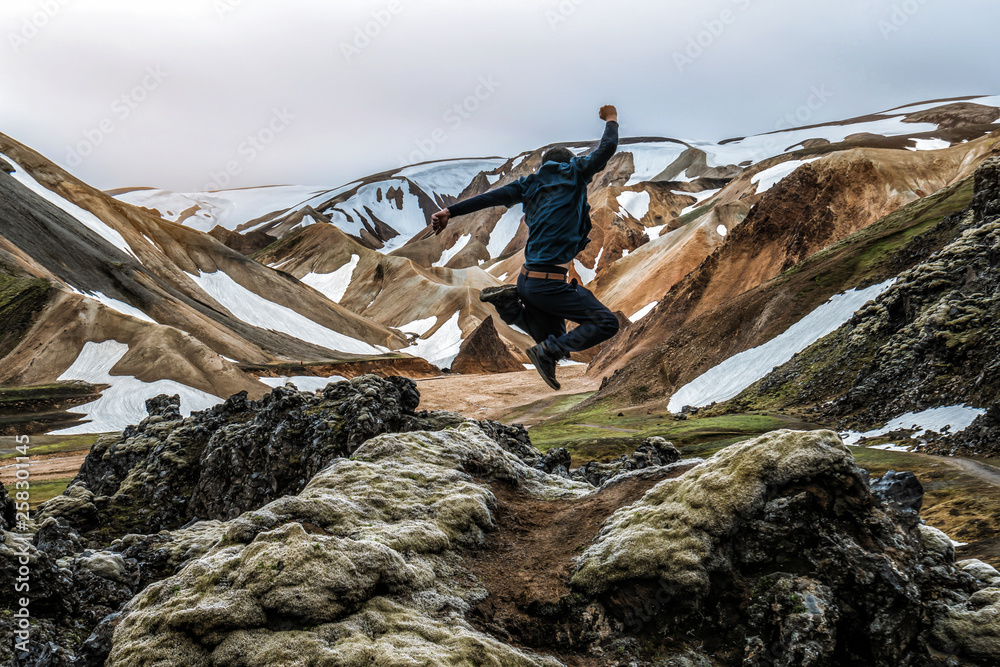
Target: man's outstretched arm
[508, 195]
[598, 160]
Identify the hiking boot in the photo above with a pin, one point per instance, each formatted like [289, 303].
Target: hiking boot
[545, 363]
[502, 298]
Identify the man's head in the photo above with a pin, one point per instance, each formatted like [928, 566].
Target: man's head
[557, 154]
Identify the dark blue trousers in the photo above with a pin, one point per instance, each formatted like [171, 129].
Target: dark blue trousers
[547, 304]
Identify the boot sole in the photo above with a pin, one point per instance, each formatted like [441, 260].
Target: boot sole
[533, 355]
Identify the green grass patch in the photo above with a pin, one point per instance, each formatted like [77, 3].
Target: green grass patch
[599, 434]
[42, 491]
[48, 444]
[21, 297]
[545, 408]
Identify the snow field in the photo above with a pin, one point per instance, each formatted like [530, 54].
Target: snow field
[124, 402]
[741, 370]
[505, 230]
[768, 178]
[258, 311]
[957, 417]
[334, 285]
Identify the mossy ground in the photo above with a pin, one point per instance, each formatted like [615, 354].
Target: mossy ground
[598, 433]
[39, 445]
[39, 492]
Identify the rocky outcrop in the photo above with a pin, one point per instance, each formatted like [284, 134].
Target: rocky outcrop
[404, 546]
[485, 352]
[652, 452]
[235, 457]
[360, 559]
[776, 549]
[932, 339]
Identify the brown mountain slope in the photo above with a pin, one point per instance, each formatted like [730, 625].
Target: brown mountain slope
[821, 203]
[872, 255]
[390, 289]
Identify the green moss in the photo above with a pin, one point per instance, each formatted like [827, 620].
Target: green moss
[598, 433]
[39, 492]
[21, 298]
[42, 445]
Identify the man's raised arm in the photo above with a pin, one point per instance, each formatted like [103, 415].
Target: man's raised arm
[598, 160]
[508, 195]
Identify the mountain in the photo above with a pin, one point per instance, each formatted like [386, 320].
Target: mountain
[108, 294]
[213, 290]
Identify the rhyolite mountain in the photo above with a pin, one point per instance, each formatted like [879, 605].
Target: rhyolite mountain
[346, 527]
[206, 292]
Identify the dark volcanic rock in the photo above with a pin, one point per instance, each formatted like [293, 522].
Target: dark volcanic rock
[903, 489]
[8, 513]
[652, 452]
[485, 352]
[234, 457]
[775, 552]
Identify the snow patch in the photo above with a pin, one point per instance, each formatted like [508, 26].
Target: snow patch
[930, 144]
[635, 203]
[957, 417]
[82, 215]
[334, 285]
[768, 178]
[740, 371]
[442, 346]
[722, 231]
[449, 253]
[258, 311]
[505, 230]
[419, 327]
[652, 158]
[588, 275]
[642, 312]
[124, 402]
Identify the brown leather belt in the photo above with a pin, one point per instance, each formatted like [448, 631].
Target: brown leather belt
[544, 276]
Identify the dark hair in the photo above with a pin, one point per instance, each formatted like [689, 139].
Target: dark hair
[557, 154]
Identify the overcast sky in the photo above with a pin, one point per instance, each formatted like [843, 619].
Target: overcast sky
[187, 94]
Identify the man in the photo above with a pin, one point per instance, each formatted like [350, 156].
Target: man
[558, 219]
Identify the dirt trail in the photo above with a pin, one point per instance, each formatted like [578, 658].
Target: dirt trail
[46, 467]
[980, 471]
[526, 564]
[494, 396]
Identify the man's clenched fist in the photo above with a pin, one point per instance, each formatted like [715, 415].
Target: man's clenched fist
[609, 113]
[440, 220]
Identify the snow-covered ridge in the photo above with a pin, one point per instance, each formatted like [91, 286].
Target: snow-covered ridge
[258, 311]
[84, 216]
[740, 371]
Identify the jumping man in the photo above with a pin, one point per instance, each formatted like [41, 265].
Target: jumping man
[558, 219]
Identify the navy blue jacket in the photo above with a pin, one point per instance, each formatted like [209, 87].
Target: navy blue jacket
[555, 203]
